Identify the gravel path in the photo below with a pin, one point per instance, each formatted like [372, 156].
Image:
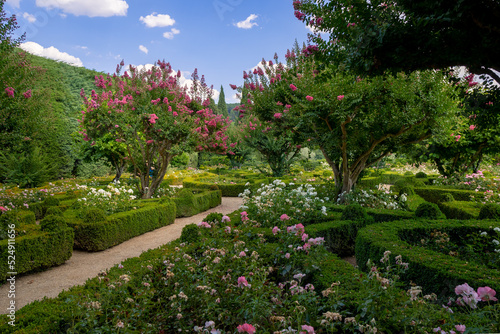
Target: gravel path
[84, 265]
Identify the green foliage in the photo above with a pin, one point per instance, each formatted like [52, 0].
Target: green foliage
[434, 194]
[28, 169]
[180, 161]
[190, 233]
[434, 272]
[363, 34]
[447, 197]
[460, 209]
[189, 204]
[490, 211]
[355, 212]
[428, 211]
[421, 175]
[121, 226]
[51, 201]
[93, 215]
[408, 190]
[221, 105]
[213, 217]
[53, 223]
[97, 167]
[54, 210]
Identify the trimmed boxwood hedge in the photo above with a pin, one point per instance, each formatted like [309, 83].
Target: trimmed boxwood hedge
[460, 209]
[434, 271]
[122, 226]
[227, 189]
[190, 204]
[38, 250]
[435, 195]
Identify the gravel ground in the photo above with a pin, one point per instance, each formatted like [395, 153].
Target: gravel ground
[84, 265]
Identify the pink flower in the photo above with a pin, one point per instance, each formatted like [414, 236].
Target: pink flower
[226, 219]
[293, 87]
[150, 141]
[242, 281]
[117, 126]
[460, 328]
[309, 329]
[275, 230]
[242, 254]
[486, 294]
[153, 118]
[175, 113]
[3, 209]
[10, 91]
[472, 127]
[244, 216]
[287, 255]
[489, 103]
[340, 97]
[27, 94]
[284, 217]
[351, 25]
[246, 328]
[457, 138]
[463, 289]
[204, 224]
[278, 115]
[309, 98]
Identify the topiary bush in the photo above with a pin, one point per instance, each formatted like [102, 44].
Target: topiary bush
[190, 233]
[409, 191]
[408, 173]
[446, 197]
[51, 201]
[421, 175]
[53, 223]
[213, 217]
[490, 211]
[429, 211]
[54, 210]
[93, 215]
[355, 212]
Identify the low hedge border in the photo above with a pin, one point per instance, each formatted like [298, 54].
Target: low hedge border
[193, 204]
[227, 190]
[380, 215]
[460, 209]
[434, 195]
[122, 226]
[434, 271]
[37, 250]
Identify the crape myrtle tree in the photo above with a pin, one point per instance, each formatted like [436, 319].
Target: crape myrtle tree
[374, 36]
[154, 117]
[265, 130]
[355, 122]
[475, 134]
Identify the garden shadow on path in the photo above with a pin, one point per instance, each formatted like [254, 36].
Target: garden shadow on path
[84, 265]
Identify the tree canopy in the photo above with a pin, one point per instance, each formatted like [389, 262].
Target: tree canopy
[373, 36]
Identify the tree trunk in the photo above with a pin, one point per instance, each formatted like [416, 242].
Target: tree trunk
[119, 167]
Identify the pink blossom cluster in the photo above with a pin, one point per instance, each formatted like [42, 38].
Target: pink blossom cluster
[246, 328]
[468, 296]
[9, 91]
[204, 224]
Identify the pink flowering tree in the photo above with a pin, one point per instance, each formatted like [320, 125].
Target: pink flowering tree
[354, 122]
[475, 134]
[154, 117]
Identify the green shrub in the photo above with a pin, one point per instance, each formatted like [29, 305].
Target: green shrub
[429, 211]
[51, 201]
[460, 209]
[421, 175]
[93, 215]
[408, 173]
[190, 233]
[53, 223]
[447, 197]
[213, 217]
[409, 191]
[354, 212]
[180, 161]
[54, 210]
[490, 211]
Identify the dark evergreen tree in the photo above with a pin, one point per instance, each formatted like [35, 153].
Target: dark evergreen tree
[222, 106]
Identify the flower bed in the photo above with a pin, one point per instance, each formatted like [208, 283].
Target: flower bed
[228, 277]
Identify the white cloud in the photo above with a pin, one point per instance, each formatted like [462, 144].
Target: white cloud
[157, 20]
[91, 8]
[30, 18]
[14, 3]
[247, 24]
[170, 34]
[51, 53]
[143, 49]
[234, 99]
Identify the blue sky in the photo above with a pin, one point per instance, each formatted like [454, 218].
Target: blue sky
[221, 38]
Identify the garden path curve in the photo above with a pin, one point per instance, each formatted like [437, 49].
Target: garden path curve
[84, 265]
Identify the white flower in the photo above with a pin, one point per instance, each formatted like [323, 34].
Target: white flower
[483, 234]
[496, 242]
